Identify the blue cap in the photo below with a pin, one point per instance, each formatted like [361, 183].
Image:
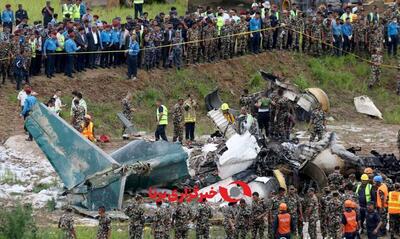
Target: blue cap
[378, 179]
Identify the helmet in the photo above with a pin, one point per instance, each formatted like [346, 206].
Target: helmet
[378, 179]
[364, 177]
[224, 106]
[282, 207]
[368, 171]
[348, 203]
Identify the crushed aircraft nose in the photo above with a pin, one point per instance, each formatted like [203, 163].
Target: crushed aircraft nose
[94, 178]
[365, 105]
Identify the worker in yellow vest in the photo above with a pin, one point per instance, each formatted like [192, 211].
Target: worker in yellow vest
[88, 129]
[60, 58]
[76, 14]
[381, 201]
[394, 211]
[228, 116]
[220, 22]
[348, 14]
[162, 121]
[67, 8]
[138, 5]
[190, 106]
[363, 193]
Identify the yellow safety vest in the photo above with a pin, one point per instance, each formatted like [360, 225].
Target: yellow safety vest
[33, 47]
[220, 23]
[190, 114]
[76, 12]
[394, 202]
[345, 15]
[276, 14]
[60, 40]
[138, 1]
[164, 117]
[67, 10]
[87, 132]
[367, 191]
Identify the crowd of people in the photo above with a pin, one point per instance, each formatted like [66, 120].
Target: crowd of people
[77, 40]
[347, 208]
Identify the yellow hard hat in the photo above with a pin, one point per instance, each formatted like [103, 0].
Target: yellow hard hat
[224, 106]
[364, 177]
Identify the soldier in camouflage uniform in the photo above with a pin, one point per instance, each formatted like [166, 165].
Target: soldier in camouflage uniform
[349, 193]
[242, 220]
[127, 108]
[315, 38]
[78, 115]
[135, 212]
[258, 211]
[193, 49]
[283, 112]
[242, 39]
[312, 213]
[104, 229]
[324, 201]
[66, 223]
[158, 40]
[209, 32]
[334, 209]
[178, 121]
[307, 41]
[203, 216]
[297, 23]
[377, 37]
[317, 123]
[276, 200]
[295, 208]
[149, 51]
[177, 50]
[335, 179]
[226, 40]
[181, 217]
[4, 58]
[284, 32]
[376, 61]
[267, 34]
[360, 36]
[161, 222]
[246, 101]
[229, 220]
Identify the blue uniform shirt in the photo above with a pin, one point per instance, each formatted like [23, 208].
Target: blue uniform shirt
[30, 101]
[115, 36]
[133, 48]
[70, 46]
[336, 29]
[347, 30]
[255, 24]
[106, 37]
[7, 16]
[393, 29]
[49, 45]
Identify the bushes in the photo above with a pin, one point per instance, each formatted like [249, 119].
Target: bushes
[17, 223]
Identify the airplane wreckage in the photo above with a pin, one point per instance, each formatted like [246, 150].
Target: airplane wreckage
[93, 178]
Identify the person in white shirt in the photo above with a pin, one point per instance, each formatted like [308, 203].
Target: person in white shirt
[233, 16]
[58, 103]
[22, 95]
[82, 102]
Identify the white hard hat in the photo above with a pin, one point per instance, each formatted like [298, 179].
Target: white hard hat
[266, 4]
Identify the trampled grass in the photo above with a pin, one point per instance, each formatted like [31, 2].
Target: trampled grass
[35, 7]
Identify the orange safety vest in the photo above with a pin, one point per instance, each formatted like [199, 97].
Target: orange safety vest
[284, 222]
[385, 190]
[88, 131]
[351, 222]
[394, 203]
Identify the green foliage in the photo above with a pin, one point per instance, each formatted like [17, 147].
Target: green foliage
[51, 205]
[255, 81]
[9, 178]
[17, 223]
[34, 10]
[302, 82]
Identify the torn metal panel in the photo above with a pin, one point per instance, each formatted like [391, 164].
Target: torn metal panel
[130, 128]
[73, 157]
[321, 97]
[226, 129]
[365, 105]
[315, 173]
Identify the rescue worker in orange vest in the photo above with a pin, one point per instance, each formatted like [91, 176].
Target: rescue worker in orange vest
[88, 129]
[394, 211]
[283, 223]
[225, 111]
[382, 194]
[350, 221]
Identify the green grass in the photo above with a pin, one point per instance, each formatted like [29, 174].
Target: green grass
[34, 9]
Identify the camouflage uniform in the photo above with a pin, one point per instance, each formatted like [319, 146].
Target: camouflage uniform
[158, 39]
[283, 118]
[126, 109]
[316, 46]
[335, 180]
[398, 141]
[257, 224]
[104, 227]
[247, 102]
[229, 213]
[313, 217]
[209, 32]
[78, 115]
[226, 41]
[242, 221]
[177, 51]
[268, 35]
[161, 223]
[284, 33]
[149, 51]
[177, 118]
[360, 36]
[324, 202]
[334, 217]
[203, 216]
[274, 210]
[135, 212]
[66, 223]
[298, 25]
[242, 39]
[193, 48]
[5, 51]
[181, 218]
[317, 122]
[376, 60]
[273, 108]
[376, 37]
[293, 203]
